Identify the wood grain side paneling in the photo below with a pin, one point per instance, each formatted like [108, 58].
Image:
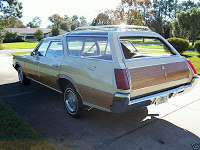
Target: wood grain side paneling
[95, 96]
[49, 80]
[153, 75]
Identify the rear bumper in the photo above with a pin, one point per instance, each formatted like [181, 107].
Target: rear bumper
[123, 103]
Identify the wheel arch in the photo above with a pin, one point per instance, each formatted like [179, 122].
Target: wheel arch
[64, 80]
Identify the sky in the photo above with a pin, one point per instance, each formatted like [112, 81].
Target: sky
[45, 8]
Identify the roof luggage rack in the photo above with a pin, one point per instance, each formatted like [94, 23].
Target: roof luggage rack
[114, 28]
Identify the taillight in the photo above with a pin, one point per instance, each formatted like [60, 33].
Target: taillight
[121, 79]
[194, 70]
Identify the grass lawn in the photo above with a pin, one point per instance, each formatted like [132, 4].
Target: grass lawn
[16, 134]
[190, 53]
[151, 46]
[196, 62]
[19, 45]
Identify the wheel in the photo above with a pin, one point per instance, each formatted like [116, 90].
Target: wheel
[73, 102]
[22, 78]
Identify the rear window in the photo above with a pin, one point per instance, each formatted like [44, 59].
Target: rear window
[90, 47]
[138, 47]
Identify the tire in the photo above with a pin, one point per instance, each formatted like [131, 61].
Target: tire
[22, 78]
[73, 102]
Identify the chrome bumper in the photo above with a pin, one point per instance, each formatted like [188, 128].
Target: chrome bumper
[123, 103]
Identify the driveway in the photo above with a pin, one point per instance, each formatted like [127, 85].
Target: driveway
[173, 125]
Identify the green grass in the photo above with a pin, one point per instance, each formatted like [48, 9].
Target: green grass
[146, 41]
[190, 53]
[151, 46]
[16, 134]
[21, 53]
[153, 51]
[196, 62]
[20, 45]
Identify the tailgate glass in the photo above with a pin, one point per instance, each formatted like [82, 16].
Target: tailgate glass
[137, 47]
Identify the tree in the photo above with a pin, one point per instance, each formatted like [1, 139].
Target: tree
[135, 7]
[178, 32]
[102, 19]
[55, 30]
[74, 22]
[189, 22]
[64, 23]
[187, 5]
[10, 9]
[163, 14]
[134, 17]
[2, 35]
[13, 23]
[107, 17]
[35, 23]
[83, 21]
[39, 34]
[67, 23]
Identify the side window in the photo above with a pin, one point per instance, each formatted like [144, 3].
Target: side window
[75, 46]
[91, 47]
[55, 49]
[42, 48]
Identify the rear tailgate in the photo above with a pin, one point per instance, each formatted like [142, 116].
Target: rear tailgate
[158, 76]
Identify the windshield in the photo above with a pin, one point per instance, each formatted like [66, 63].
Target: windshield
[137, 47]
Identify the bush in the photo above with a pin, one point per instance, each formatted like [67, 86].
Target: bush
[12, 37]
[197, 46]
[179, 44]
[39, 34]
[55, 30]
[11, 40]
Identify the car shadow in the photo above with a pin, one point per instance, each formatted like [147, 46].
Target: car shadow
[44, 110]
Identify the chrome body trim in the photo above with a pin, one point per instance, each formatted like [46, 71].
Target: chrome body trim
[122, 97]
[45, 85]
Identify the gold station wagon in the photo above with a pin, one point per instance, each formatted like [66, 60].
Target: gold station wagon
[111, 68]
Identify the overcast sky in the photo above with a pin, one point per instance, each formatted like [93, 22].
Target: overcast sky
[46, 8]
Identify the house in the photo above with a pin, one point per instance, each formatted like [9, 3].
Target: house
[28, 33]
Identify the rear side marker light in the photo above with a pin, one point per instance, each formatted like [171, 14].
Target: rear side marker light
[194, 70]
[121, 79]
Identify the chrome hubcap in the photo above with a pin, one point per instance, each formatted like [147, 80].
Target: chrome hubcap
[71, 101]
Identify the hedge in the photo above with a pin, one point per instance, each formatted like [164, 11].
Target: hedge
[11, 40]
[197, 46]
[181, 45]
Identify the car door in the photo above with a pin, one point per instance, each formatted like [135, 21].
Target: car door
[31, 64]
[49, 66]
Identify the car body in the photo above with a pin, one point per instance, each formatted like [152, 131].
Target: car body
[111, 68]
